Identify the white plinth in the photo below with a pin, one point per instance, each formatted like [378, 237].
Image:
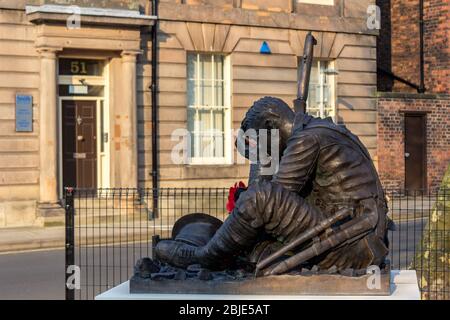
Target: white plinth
[404, 286]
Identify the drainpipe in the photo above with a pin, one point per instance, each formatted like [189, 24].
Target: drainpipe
[422, 88]
[155, 117]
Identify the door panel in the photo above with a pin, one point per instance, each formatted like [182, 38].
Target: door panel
[415, 152]
[86, 144]
[79, 144]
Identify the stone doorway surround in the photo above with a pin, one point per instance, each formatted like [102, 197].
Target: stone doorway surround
[113, 33]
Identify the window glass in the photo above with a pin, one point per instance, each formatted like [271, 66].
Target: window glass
[206, 105]
[81, 90]
[321, 90]
[80, 67]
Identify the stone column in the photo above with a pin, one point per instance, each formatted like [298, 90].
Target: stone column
[126, 123]
[48, 135]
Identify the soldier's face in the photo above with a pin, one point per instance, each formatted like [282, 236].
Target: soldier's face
[267, 129]
[285, 128]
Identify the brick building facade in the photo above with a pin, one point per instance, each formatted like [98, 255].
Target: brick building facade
[413, 129]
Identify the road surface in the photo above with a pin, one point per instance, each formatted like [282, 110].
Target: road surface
[32, 275]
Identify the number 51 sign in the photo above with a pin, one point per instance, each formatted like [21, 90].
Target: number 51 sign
[78, 67]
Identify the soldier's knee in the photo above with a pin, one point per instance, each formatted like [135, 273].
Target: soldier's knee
[254, 204]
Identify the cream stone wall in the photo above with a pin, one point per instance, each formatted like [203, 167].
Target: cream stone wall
[19, 152]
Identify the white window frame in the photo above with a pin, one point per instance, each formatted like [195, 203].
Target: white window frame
[226, 159]
[333, 89]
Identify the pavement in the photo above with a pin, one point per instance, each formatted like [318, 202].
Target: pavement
[44, 238]
[31, 238]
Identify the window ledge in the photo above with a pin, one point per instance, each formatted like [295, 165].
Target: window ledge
[99, 16]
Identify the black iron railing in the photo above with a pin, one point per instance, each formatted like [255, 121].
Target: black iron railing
[108, 230]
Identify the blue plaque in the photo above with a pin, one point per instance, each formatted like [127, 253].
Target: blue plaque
[24, 113]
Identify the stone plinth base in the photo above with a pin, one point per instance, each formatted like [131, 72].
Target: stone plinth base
[314, 284]
[403, 286]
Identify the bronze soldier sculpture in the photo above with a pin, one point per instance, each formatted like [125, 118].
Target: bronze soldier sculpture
[325, 206]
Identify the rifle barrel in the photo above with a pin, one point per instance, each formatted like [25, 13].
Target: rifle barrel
[307, 235]
[305, 74]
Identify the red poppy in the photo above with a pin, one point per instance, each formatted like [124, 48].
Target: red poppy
[232, 196]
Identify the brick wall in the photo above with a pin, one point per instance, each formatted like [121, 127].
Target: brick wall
[391, 162]
[437, 46]
[399, 46]
[405, 42]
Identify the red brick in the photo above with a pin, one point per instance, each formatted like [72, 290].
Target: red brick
[399, 48]
[391, 161]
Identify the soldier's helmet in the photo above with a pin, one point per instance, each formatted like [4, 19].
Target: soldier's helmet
[195, 229]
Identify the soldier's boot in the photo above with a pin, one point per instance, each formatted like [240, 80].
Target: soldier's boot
[233, 237]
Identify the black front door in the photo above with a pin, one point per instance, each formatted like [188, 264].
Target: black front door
[79, 144]
[415, 151]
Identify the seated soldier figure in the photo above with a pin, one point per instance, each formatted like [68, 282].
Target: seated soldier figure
[324, 168]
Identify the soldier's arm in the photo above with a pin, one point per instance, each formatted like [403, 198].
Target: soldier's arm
[298, 161]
